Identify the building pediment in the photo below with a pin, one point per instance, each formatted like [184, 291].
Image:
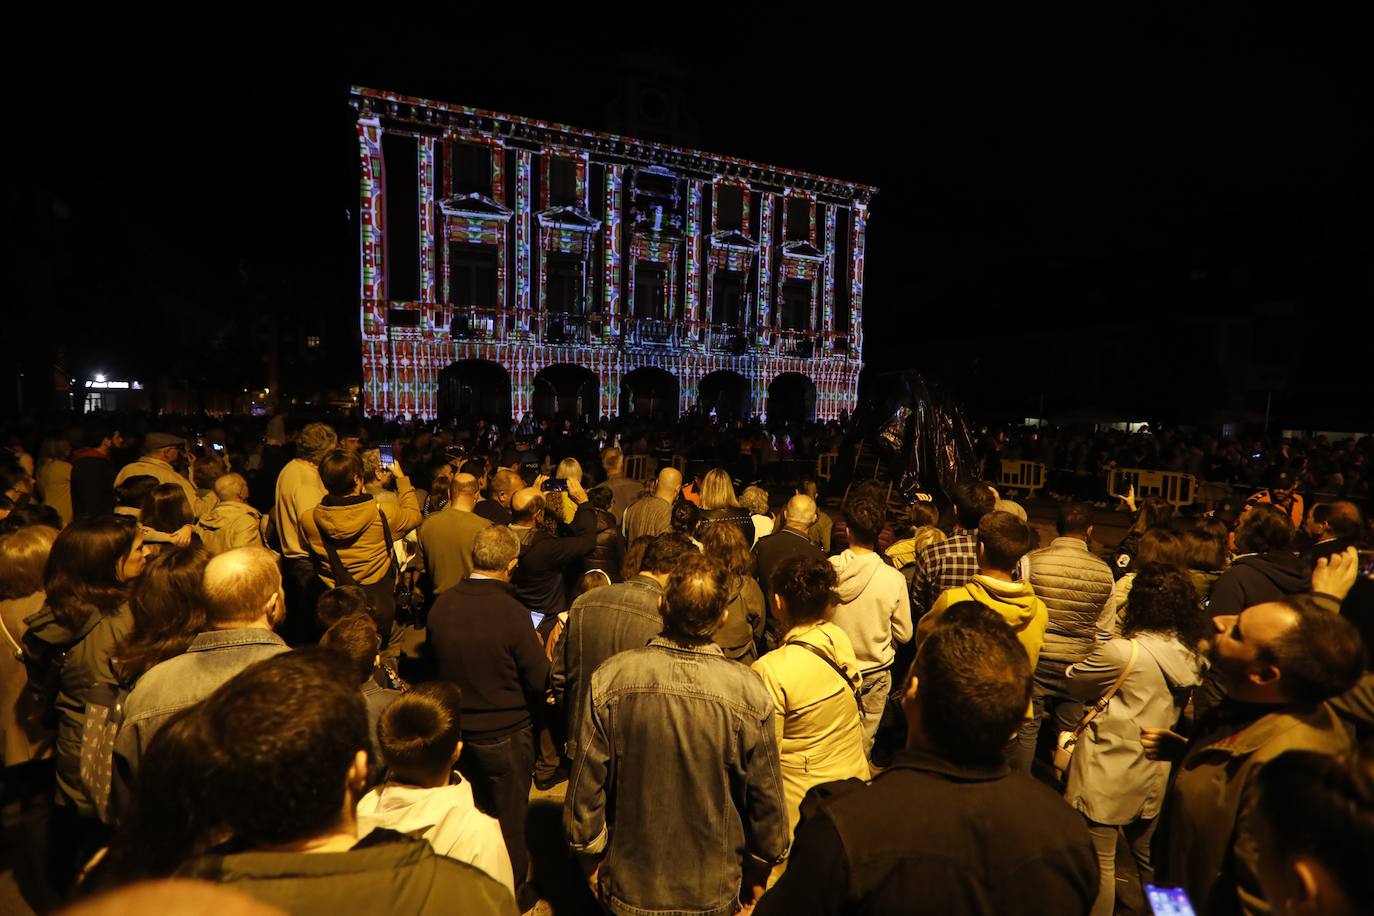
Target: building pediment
[733, 239]
[474, 206]
[802, 250]
[569, 218]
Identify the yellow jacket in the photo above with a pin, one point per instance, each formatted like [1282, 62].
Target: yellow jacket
[354, 526]
[1015, 601]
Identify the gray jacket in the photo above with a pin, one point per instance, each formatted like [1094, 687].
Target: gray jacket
[1076, 587]
[677, 762]
[1110, 780]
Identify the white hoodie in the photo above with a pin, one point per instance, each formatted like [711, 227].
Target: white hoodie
[874, 609]
[447, 817]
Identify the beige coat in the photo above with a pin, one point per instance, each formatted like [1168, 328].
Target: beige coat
[165, 473]
[820, 737]
[354, 525]
[22, 735]
[229, 525]
[55, 478]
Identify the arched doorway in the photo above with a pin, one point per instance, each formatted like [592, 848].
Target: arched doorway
[564, 391]
[727, 393]
[791, 397]
[649, 393]
[472, 389]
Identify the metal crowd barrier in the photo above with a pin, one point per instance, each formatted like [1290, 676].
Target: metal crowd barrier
[1175, 488]
[637, 467]
[825, 464]
[1022, 475]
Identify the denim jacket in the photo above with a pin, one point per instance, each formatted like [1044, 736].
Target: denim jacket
[184, 680]
[602, 622]
[676, 780]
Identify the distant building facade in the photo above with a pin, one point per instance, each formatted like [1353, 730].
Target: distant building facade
[510, 265]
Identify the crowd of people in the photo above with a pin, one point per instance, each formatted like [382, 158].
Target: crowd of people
[1078, 460]
[325, 666]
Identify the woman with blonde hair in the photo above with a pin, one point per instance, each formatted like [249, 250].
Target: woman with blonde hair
[720, 505]
[568, 469]
[755, 499]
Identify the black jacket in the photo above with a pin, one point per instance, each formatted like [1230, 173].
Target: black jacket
[1257, 578]
[771, 550]
[929, 836]
[483, 641]
[609, 552]
[740, 517]
[547, 561]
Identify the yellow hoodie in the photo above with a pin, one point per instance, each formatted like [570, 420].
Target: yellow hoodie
[1015, 601]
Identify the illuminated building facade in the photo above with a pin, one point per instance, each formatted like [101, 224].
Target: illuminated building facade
[510, 265]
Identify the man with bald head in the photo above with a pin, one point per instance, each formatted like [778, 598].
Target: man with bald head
[232, 522]
[548, 562]
[792, 540]
[446, 537]
[244, 603]
[1280, 662]
[496, 507]
[652, 513]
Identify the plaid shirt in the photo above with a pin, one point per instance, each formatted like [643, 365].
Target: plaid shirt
[948, 564]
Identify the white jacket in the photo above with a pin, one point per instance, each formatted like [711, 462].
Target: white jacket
[447, 817]
[874, 609]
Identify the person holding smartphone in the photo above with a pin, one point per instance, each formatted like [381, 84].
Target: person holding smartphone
[350, 535]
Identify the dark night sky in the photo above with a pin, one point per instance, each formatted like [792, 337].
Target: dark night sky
[1076, 174]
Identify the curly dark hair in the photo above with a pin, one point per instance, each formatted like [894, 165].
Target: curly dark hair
[865, 518]
[1163, 600]
[807, 587]
[684, 518]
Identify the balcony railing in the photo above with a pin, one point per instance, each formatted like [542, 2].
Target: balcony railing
[563, 329]
[725, 338]
[472, 323]
[801, 344]
[657, 332]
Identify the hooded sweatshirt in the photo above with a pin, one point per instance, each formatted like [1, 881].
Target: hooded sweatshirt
[354, 526]
[446, 816]
[1256, 578]
[229, 525]
[874, 609]
[1015, 601]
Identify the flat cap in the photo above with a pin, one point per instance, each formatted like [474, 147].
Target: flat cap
[155, 441]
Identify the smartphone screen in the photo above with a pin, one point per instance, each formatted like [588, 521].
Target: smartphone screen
[1367, 563]
[388, 458]
[1169, 901]
[216, 446]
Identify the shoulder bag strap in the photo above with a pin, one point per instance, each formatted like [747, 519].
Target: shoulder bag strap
[15, 648]
[390, 544]
[849, 684]
[1093, 711]
[341, 575]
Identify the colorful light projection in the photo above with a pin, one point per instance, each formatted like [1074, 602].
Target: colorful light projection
[402, 362]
